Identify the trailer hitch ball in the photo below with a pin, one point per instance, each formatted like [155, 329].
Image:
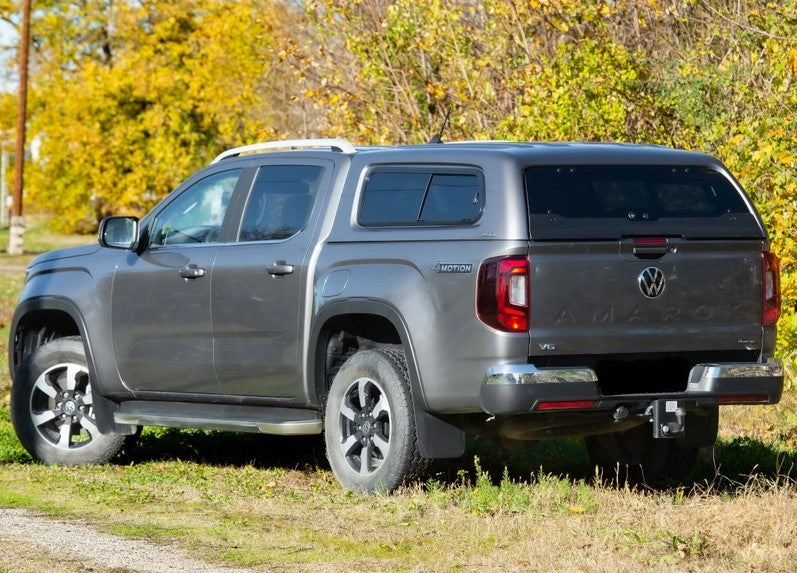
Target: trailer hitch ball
[620, 413]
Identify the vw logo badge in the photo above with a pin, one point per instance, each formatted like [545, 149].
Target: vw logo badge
[651, 282]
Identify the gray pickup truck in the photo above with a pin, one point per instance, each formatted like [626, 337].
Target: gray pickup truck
[397, 298]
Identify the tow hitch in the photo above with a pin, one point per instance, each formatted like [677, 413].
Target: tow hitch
[669, 419]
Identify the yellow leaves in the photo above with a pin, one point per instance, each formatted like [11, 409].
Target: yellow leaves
[436, 90]
[8, 114]
[792, 60]
[786, 157]
[776, 132]
[186, 77]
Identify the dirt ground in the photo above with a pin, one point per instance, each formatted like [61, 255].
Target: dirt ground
[30, 543]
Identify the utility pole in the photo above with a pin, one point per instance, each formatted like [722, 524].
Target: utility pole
[17, 222]
[3, 182]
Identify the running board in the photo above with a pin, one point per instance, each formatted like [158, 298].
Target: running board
[265, 420]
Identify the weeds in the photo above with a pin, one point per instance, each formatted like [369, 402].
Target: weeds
[270, 501]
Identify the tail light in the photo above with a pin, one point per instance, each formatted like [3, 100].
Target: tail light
[503, 294]
[770, 289]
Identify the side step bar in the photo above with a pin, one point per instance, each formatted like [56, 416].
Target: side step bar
[265, 420]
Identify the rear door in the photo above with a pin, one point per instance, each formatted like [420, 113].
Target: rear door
[259, 283]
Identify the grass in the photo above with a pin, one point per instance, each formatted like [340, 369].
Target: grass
[271, 503]
[282, 508]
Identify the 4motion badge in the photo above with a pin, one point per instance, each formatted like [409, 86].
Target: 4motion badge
[442, 267]
[651, 282]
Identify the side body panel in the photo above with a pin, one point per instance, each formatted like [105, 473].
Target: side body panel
[161, 321]
[258, 303]
[428, 275]
[76, 282]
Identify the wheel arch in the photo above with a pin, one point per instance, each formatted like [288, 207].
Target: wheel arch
[43, 319]
[367, 320]
[40, 320]
[341, 328]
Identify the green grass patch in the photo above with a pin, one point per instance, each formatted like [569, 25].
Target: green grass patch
[267, 513]
[271, 502]
[11, 451]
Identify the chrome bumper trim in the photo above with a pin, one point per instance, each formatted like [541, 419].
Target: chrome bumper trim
[510, 374]
[704, 374]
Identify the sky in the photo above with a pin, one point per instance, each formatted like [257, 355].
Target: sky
[8, 37]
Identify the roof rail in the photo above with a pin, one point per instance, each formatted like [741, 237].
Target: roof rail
[335, 144]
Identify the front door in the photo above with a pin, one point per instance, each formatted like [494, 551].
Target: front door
[161, 320]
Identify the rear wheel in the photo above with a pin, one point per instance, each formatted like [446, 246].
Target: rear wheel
[370, 424]
[635, 455]
[52, 407]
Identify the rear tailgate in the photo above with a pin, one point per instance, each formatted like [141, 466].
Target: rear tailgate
[617, 298]
[643, 269]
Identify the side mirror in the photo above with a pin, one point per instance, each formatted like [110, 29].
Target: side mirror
[118, 232]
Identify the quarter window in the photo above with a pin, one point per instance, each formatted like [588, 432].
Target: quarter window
[422, 197]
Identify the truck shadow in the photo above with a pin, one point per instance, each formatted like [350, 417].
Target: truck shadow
[226, 449]
[725, 468]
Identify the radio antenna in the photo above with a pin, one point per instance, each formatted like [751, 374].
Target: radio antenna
[438, 137]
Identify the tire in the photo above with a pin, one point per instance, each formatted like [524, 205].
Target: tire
[52, 408]
[370, 423]
[634, 455]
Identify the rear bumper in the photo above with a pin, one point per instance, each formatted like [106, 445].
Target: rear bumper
[523, 388]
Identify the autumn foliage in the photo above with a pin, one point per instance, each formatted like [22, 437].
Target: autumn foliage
[131, 96]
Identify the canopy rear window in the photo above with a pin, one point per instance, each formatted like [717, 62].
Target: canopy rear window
[611, 201]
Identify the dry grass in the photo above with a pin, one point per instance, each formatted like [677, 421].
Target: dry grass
[300, 520]
[271, 504]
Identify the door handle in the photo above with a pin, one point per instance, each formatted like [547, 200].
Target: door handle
[192, 271]
[650, 253]
[279, 268]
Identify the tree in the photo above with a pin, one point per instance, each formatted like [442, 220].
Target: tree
[143, 93]
[131, 96]
[714, 75]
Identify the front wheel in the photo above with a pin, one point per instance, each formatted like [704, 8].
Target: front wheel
[52, 407]
[370, 423]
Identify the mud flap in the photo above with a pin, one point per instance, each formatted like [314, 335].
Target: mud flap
[437, 438]
[104, 410]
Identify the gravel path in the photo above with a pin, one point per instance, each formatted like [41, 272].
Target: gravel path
[84, 544]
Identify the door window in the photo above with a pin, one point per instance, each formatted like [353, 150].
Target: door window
[280, 202]
[196, 216]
